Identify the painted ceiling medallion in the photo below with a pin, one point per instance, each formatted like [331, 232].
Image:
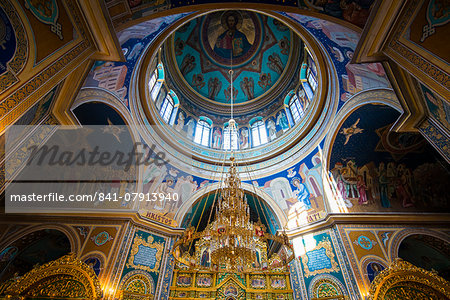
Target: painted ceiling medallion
[258, 46]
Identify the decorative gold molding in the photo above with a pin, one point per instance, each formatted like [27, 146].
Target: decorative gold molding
[236, 5]
[402, 274]
[140, 241]
[372, 40]
[405, 87]
[68, 92]
[102, 30]
[66, 269]
[138, 284]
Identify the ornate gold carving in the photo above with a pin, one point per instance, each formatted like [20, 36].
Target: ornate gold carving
[403, 280]
[324, 288]
[137, 286]
[417, 61]
[65, 277]
[140, 241]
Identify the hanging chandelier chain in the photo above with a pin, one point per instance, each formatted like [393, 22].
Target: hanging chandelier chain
[221, 180]
[256, 194]
[208, 193]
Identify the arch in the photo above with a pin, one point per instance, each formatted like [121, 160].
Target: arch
[373, 96]
[403, 279]
[87, 95]
[100, 256]
[281, 218]
[325, 286]
[428, 252]
[365, 264]
[75, 243]
[36, 246]
[401, 235]
[138, 284]
[66, 277]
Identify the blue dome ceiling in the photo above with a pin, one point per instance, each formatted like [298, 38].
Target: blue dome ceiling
[259, 47]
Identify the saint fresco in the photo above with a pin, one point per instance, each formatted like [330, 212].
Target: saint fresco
[231, 35]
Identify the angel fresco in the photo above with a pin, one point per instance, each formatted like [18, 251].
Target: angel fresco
[214, 86]
[188, 64]
[198, 81]
[348, 132]
[274, 63]
[247, 86]
[227, 93]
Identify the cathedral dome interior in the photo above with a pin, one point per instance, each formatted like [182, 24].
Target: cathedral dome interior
[288, 150]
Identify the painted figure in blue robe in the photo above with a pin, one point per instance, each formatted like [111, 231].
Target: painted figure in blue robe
[232, 41]
[205, 258]
[302, 192]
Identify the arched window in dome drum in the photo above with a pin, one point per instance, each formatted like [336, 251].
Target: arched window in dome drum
[156, 81]
[152, 82]
[308, 76]
[259, 133]
[230, 139]
[202, 132]
[296, 109]
[167, 108]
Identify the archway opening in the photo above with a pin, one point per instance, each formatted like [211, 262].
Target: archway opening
[38, 247]
[427, 252]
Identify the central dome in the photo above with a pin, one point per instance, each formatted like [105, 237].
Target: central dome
[255, 46]
[279, 89]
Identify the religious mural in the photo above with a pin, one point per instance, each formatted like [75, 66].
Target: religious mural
[371, 168]
[95, 263]
[375, 169]
[115, 76]
[354, 11]
[373, 269]
[255, 46]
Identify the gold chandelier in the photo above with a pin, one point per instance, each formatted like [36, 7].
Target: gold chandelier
[232, 243]
[232, 234]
